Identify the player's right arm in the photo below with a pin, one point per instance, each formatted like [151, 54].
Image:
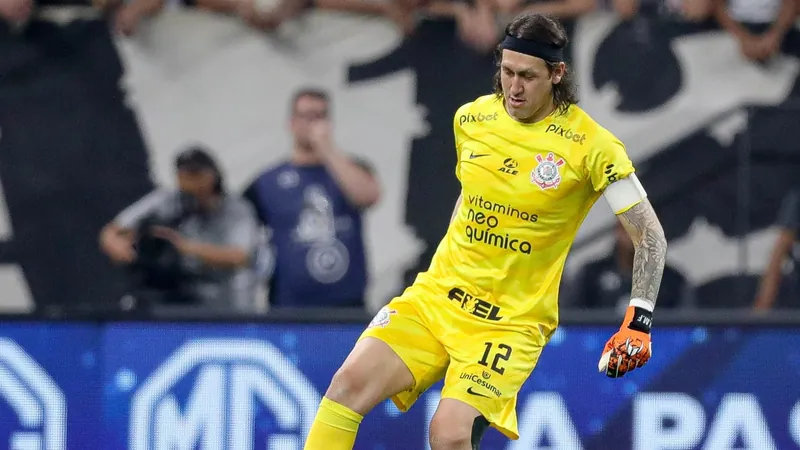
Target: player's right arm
[455, 209]
[459, 137]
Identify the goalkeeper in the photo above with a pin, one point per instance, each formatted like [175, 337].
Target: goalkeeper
[531, 164]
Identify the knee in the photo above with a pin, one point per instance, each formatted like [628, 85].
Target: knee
[449, 434]
[348, 384]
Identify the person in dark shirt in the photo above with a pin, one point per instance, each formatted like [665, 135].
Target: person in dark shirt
[313, 205]
[606, 283]
[783, 271]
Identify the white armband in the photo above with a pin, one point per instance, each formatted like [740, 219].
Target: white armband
[641, 303]
[625, 193]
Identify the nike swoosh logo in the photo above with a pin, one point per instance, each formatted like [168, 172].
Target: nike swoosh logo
[473, 155]
[470, 391]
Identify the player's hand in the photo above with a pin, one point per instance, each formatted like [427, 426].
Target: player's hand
[630, 348]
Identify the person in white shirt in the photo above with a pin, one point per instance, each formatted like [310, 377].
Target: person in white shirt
[760, 26]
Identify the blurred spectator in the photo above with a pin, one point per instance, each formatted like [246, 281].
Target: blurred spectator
[689, 10]
[606, 283]
[562, 9]
[401, 12]
[127, 15]
[17, 13]
[760, 26]
[476, 22]
[263, 14]
[313, 204]
[57, 56]
[193, 246]
[784, 265]
[270, 14]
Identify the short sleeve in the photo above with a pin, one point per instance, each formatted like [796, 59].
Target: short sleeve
[607, 162]
[242, 231]
[154, 203]
[789, 215]
[252, 196]
[458, 134]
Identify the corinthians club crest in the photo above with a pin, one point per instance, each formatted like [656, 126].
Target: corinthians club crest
[382, 318]
[546, 174]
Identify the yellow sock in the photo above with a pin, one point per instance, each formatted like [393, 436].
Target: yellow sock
[334, 428]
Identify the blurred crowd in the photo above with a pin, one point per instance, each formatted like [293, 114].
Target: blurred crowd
[297, 228]
[760, 26]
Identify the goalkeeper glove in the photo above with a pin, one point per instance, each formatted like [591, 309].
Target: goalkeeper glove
[630, 347]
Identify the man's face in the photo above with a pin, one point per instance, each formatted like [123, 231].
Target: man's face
[527, 83]
[306, 111]
[197, 183]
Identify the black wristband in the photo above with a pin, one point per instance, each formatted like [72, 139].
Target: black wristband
[642, 320]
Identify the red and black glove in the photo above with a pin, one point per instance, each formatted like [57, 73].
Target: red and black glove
[630, 347]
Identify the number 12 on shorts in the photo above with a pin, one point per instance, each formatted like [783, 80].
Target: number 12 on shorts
[502, 354]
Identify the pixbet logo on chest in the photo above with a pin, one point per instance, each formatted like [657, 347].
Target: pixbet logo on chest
[566, 133]
[480, 117]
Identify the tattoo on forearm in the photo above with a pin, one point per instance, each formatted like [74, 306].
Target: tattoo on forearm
[651, 250]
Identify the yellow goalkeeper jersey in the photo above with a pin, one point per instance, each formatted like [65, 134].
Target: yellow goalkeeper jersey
[526, 189]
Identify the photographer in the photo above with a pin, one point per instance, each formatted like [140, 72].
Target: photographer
[193, 246]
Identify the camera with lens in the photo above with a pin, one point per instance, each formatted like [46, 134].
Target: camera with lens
[158, 261]
[158, 269]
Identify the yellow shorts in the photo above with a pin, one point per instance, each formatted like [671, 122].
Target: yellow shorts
[484, 363]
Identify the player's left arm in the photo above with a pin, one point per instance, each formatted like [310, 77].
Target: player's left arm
[631, 347]
[644, 228]
[611, 172]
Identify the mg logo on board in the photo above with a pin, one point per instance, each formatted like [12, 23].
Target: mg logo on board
[38, 402]
[233, 379]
